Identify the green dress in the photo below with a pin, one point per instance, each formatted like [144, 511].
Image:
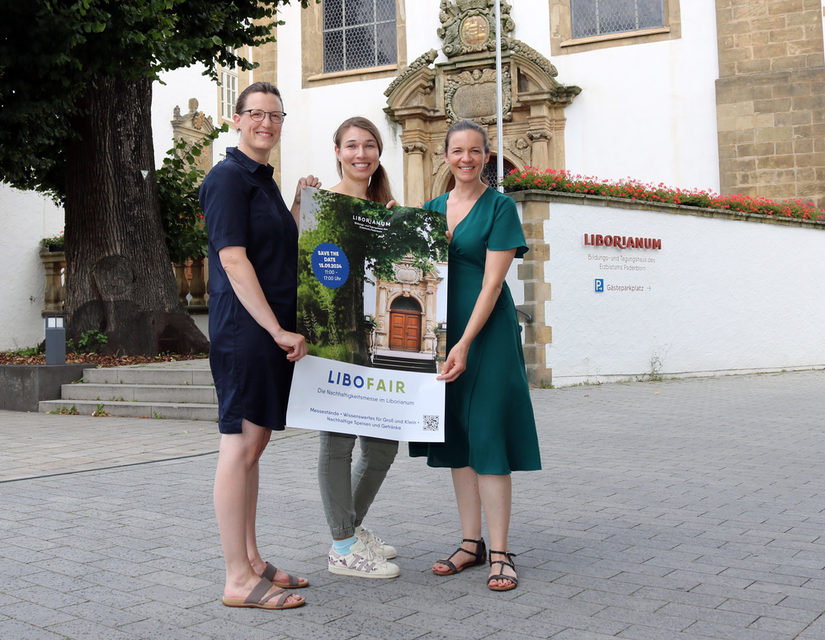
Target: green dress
[489, 423]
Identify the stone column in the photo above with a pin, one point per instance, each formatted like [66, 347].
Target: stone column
[540, 134]
[381, 319]
[414, 183]
[537, 334]
[197, 285]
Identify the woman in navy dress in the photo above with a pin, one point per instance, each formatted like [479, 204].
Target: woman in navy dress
[253, 255]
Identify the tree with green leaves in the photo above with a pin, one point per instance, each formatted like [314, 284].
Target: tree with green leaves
[75, 123]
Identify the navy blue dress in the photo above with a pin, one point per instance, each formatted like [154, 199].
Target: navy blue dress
[243, 207]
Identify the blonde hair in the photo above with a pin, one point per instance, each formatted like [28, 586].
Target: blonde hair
[379, 187]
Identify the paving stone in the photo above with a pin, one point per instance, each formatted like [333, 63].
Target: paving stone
[636, 602]
[578, 634]
[660, 619]
[21, 631]
[781, 627]
[564, 617]
[289, 626]
[636, 632]
[102, 614]
[227, 629]
[389, 630]
[467, 628]
[48, 596]
[731, 618]
[723, 632]
[683, 502]
[692, 598]
[814, 631]
[86, 629]
[32, 613]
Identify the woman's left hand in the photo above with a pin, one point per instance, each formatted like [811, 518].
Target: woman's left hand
[455, 364]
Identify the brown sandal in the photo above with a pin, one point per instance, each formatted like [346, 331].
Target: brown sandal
[513, 580]
[293, 582]
[261, 598]
[480, 556]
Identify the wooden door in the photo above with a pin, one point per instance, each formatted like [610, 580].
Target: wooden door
[405, 330]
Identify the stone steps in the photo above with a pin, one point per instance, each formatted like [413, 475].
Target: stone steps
[180, 390]
[404, 364]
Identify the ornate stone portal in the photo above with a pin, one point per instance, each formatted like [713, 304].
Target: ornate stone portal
[425, 100]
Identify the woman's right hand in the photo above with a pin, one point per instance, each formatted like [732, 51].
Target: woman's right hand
[294, 344]
[455, 364]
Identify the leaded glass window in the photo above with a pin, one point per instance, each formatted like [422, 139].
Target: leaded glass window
[359, 34]
[597, 17]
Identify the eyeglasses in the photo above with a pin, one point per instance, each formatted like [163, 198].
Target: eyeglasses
[276, 117]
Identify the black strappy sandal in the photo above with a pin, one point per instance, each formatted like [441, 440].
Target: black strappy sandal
[513, 580]
[480, 556]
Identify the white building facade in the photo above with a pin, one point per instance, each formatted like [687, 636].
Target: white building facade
[692, 94]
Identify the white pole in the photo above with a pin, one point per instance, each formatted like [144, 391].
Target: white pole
[499, 108]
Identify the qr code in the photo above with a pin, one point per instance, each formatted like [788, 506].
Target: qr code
[431, 423]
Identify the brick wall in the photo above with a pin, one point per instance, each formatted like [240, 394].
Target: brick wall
[770, 98]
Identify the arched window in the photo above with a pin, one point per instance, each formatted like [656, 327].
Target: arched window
[405, 303]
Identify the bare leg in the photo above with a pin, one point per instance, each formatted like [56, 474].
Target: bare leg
[496, 498]
[465, 483]
[237, 471]
[251, 512]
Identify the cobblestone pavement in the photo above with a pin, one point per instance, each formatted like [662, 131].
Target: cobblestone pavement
[685, 509]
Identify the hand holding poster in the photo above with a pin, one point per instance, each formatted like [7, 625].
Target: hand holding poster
[372, 304]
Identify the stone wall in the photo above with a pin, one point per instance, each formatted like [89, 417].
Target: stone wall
[770, 98]
[705, 297]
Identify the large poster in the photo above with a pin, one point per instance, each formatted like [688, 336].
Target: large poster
[372, 303]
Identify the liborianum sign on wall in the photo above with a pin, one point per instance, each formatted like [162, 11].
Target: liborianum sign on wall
[621, 242]
[625, 261]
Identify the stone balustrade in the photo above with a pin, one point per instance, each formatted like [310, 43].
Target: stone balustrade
[191, 278]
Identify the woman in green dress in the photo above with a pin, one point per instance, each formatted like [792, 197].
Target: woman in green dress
[490, 428]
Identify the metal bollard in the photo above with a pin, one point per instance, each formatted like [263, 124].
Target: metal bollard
[55, 340]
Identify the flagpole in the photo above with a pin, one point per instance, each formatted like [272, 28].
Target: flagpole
[499, 108]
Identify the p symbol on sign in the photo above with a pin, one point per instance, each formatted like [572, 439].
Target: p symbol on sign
[599, 285]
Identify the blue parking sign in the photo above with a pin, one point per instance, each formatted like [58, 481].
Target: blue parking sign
[599, 285]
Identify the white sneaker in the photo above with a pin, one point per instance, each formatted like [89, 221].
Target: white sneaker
[375, 543]
[361, 561]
